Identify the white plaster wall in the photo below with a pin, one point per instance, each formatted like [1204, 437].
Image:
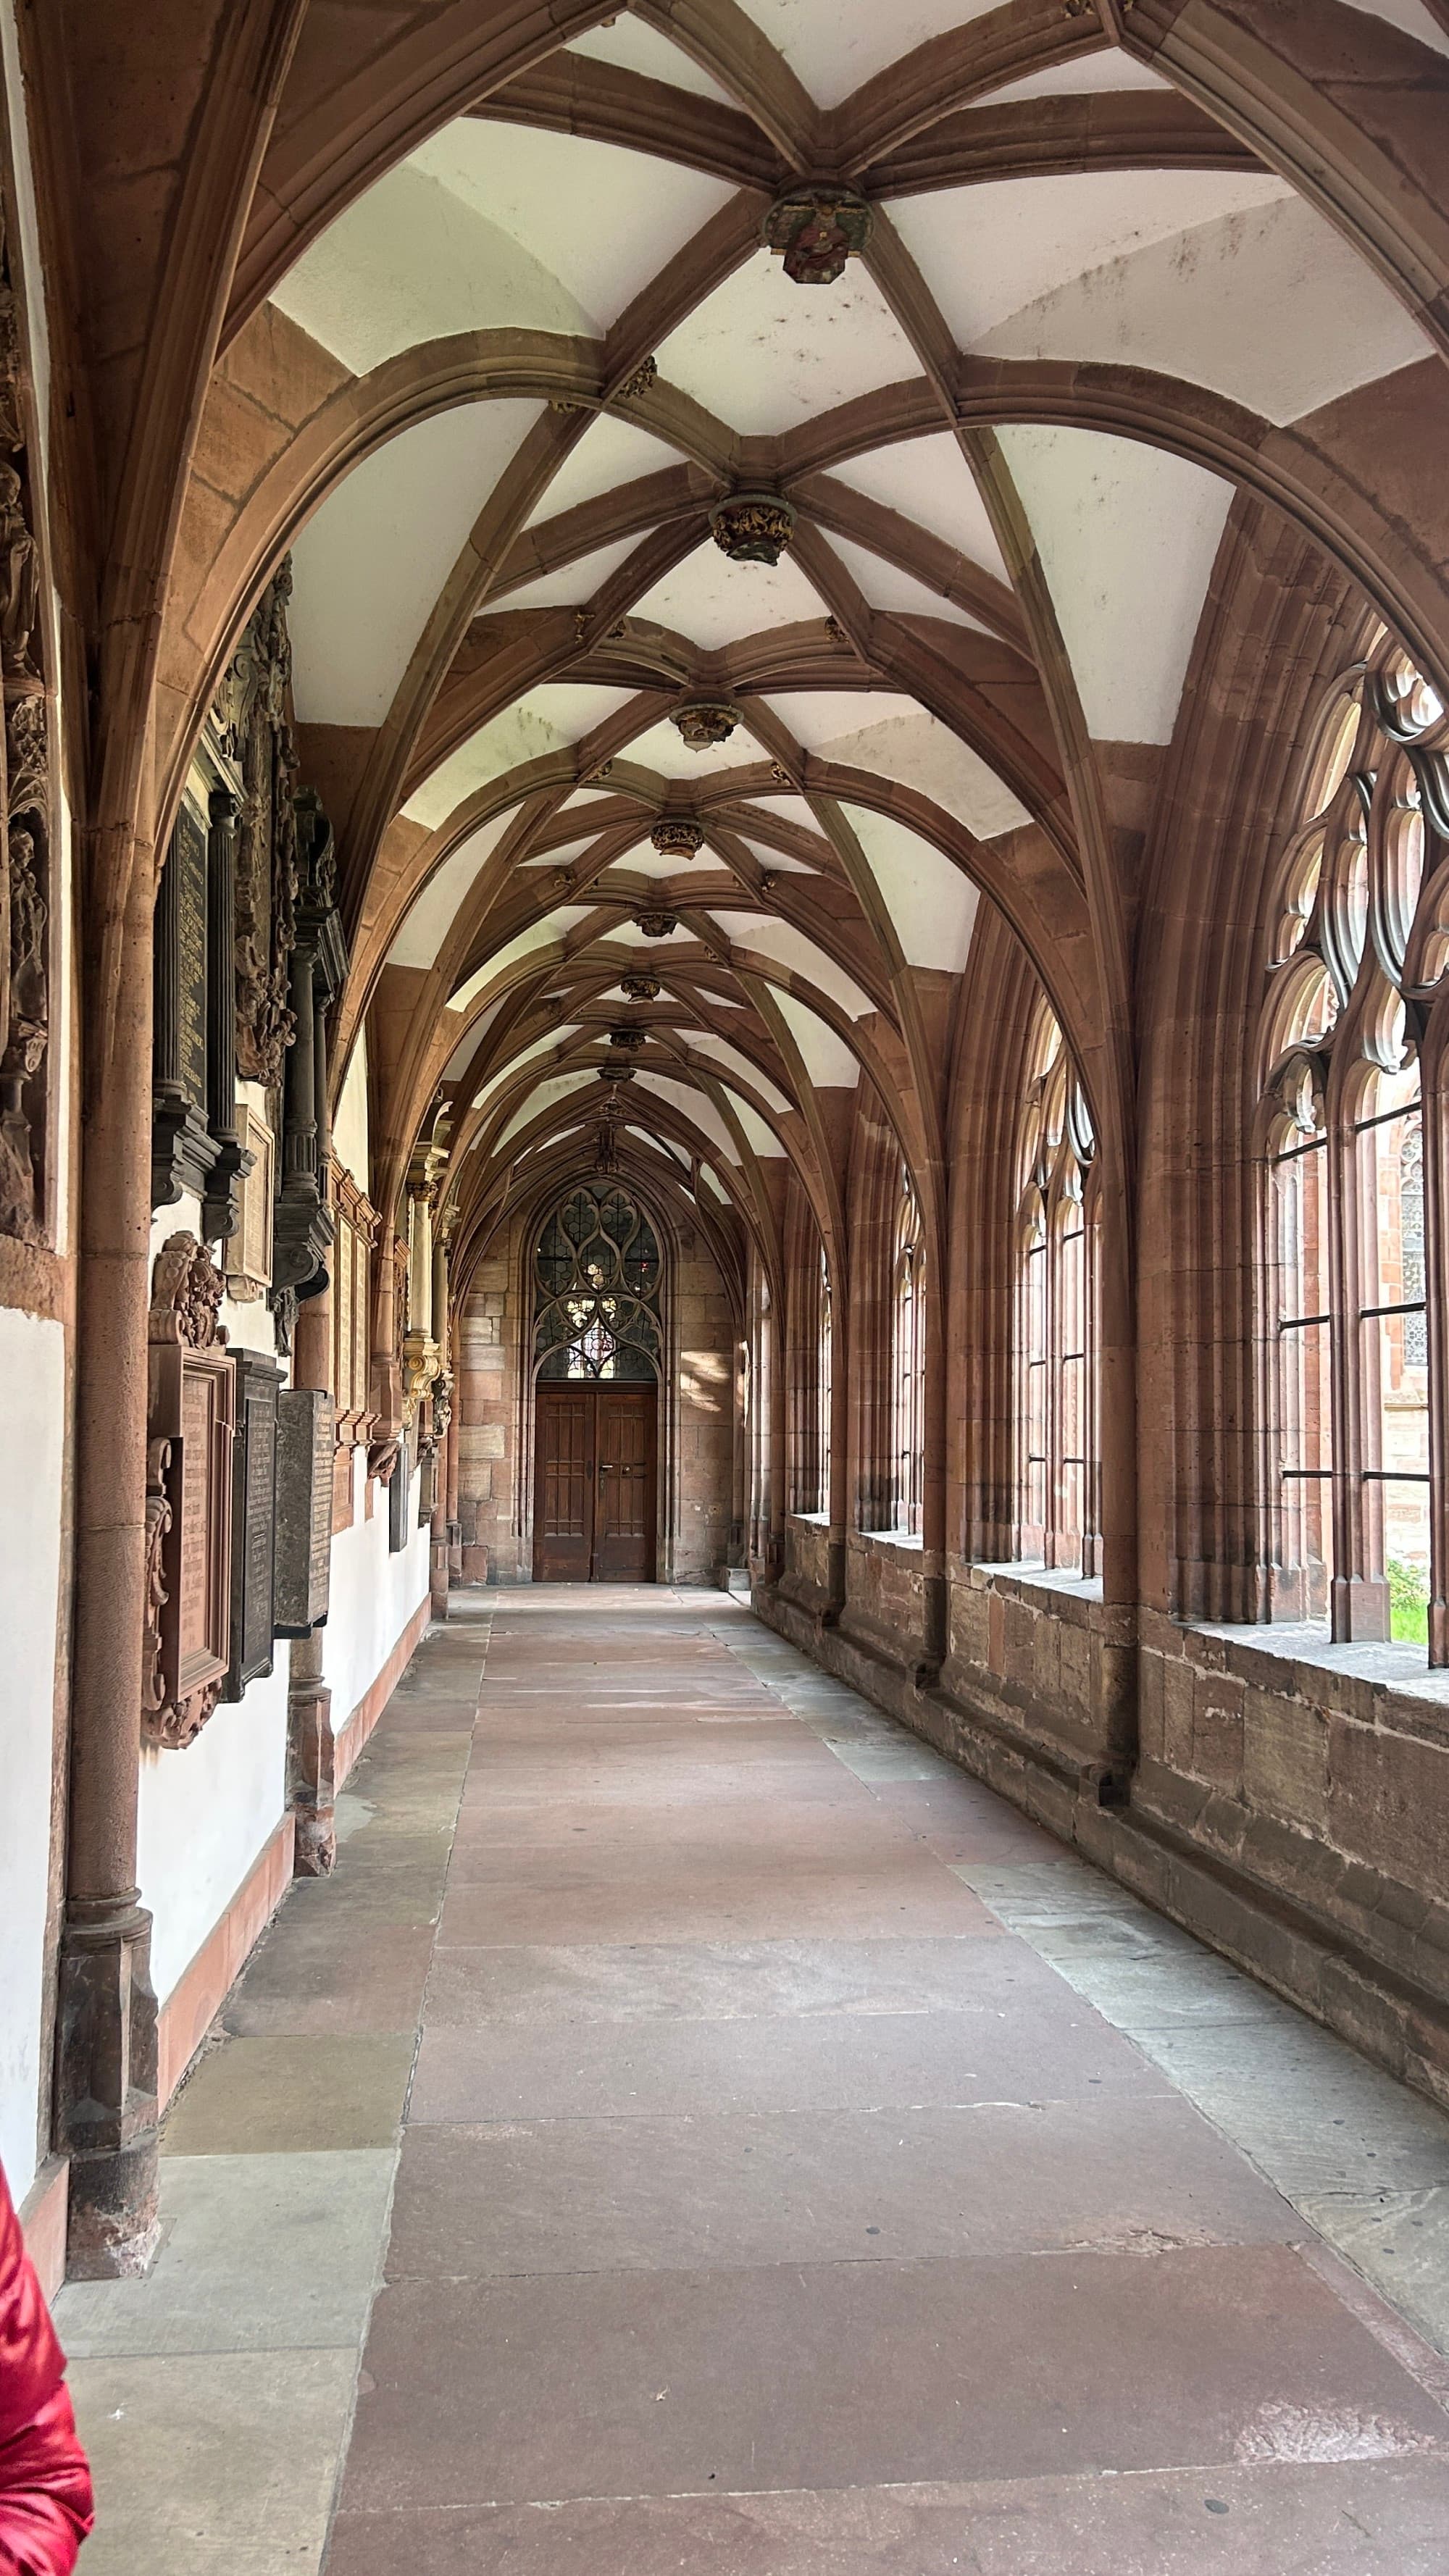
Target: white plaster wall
[349, 1127]
[206, 1814]
[374, 1594]
[32, 1393]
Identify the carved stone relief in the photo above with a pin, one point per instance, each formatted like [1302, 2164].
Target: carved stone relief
[250, 720]
[25, 894]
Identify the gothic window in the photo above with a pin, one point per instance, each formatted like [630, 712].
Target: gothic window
[908, 1357]
[596, 1288]
[1359, 941]
[823, 1379]
[1056, 1399]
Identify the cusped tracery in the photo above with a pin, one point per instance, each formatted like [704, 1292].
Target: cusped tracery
[597, 1275]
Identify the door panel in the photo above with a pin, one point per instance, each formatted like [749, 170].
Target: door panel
[563, 1485]
[624, 1526]
[594, 1484]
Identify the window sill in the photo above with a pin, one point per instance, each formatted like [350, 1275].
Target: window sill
[1032, 1576]
[1384, 1666]
[909, 1542]
[812, 1520]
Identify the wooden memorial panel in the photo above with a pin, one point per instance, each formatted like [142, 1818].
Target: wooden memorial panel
[191, 1419]
[253, 1519]
[304, 1509]
[427, 1486]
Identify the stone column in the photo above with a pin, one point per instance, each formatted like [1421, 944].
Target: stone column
[106, 2106]
[438, 1575]
[420, 1259]
[774, 1323]
[311, 1773]
[935, 1598]
[455, 1534]
[837, 1501]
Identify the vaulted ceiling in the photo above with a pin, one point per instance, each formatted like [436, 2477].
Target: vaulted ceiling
[1010, 433]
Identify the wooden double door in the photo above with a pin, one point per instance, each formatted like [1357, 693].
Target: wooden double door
[594, 1483]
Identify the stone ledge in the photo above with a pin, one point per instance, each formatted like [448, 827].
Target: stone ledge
[1380, 1685]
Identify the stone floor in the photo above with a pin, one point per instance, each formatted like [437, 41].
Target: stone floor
[699, 2130]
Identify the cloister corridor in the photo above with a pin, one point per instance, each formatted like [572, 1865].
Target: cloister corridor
[696, 2128]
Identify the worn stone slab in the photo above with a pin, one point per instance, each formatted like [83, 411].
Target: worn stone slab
[1384, 2518]
[1400, 2239]
[536, 1986]
[259, 2253]
[1110, 2173]
[212, 2464]
[827, 2374]
[281, 2096]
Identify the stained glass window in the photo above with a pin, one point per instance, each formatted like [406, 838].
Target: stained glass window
[596, 1287]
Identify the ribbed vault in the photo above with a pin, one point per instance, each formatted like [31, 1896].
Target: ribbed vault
[537, 334]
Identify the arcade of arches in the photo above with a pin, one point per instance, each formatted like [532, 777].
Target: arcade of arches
[728, 783]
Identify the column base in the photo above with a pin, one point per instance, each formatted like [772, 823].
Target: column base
[106, 2102]
[113, 2228]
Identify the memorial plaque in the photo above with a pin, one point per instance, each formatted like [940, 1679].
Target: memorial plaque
[254, 1519]
[398, 1490]
[183, 1149]
[304, 1509]
[427, 1487]
[195, 1389]
[247, 1258]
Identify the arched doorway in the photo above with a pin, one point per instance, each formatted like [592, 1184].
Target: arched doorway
[597, 1345]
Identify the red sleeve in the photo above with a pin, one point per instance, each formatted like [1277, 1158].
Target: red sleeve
[45, 2485]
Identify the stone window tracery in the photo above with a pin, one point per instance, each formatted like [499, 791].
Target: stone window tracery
[824, 1374]
[1359, 946]
[908, 1360]
[597, 1275]
[1056, 1362]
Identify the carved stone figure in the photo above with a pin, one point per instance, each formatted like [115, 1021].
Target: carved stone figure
[815, 231]
[186, 1292]
[24, 1027]
[27, 755]
[19, 582]
[250, 718]
[158, 1522]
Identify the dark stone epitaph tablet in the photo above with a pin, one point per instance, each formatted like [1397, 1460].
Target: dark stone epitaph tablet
[397, 1496]
[253, 1518]
[304, 1509]
[182, 1147]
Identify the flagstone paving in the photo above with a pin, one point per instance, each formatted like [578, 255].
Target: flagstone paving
[699, 2129]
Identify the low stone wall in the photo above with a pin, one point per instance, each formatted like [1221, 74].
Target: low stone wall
[1288, 1802]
